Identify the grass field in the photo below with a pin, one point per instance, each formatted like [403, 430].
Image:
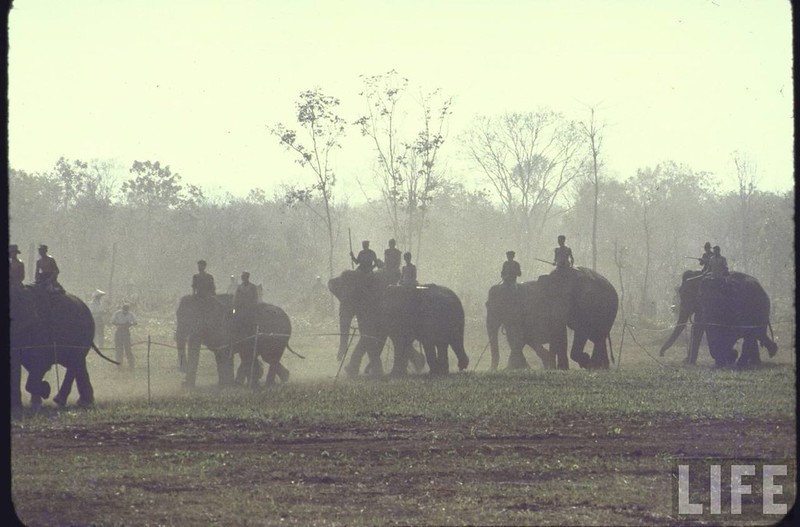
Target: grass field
[508, 448]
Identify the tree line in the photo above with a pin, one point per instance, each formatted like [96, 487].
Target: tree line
[541, 175]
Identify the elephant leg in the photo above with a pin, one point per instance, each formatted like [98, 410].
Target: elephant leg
[418, 360]
[280, 371]
[16, 380]
[772, 347]
[38, 387]
[548, 359]
[246, 357]
[430, 357]
[257, 371]
[84, 384]
[354, 366]
[696, 335]
[225, 367]
[516, 360]
[578, 343]
[600, 354]
[193, 359]
[444, 358]
[401, 353]
[66, 387]
[750, 355]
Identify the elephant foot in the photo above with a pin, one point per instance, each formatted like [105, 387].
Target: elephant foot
[772, 349]
[36, 402]
[60, 400]
[283, 375]
[351, 371]
[85, 403]
[463, 364]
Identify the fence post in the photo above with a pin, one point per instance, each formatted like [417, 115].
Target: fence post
[621, 340]
[148, 370]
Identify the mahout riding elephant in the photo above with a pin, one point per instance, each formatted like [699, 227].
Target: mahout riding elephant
[725, 310]
[360, 295]
[210, 322]
[431, 314]
[45, 329]
[538, 312]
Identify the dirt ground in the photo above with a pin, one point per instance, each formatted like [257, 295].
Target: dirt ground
[407, 471]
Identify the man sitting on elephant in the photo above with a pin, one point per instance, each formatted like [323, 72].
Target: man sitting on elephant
[409, 276]
[367, 260]
[47, 272]
[245, 300]
[562, 258]
[511, 270]
[718, 264]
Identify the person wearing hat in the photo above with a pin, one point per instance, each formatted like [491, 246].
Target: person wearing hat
[511, 269]
[203, 282]
[99, 316]
[123, 319]
[47, 271]
[562, 257]
[245, 299]
[367, 259]
[16, 269]
[705, 260]
[232, 286]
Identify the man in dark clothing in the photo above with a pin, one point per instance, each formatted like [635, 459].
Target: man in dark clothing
[409, 276]
[392, 257]
[245, 299]
[47, 271]
[16, 269]
[718, 265]
[563, 255]
[367, 259]
[511, 269]
[705, 260]
[203, 282]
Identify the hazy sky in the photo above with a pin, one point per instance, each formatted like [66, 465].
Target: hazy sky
[196, 84]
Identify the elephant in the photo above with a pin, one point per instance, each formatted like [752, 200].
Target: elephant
[431, 314]
[538, 312]
[46, 329]
[210, 322]
[360, 296]
[725, 310]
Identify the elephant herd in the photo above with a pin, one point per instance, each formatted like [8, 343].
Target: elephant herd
[46, 329]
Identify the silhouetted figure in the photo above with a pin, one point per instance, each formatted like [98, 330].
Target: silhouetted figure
[47, 272]
[367, 259]
[245, 300]
[718, 265]
[99, 316]
[392, 257]
[123, 319]
[705, 260]
[563, 255]
[16, 269]
[408, 277]
[203, 282]
[511, 269]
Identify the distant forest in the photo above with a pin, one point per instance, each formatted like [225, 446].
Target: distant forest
[541, 175]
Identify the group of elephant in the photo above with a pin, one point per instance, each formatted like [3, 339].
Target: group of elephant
[48, 329]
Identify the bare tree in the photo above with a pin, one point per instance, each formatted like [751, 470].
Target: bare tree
[324, 128]
[529, 159]
[408, 174]
[747, 178]
[594, 136]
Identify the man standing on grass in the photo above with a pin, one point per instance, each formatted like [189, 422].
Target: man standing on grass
[123, 319]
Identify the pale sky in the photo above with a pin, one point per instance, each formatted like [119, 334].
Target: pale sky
[196, 84]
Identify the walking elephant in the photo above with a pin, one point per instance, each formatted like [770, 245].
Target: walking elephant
[360, 296]
[46, 329]
[725, 310]
[538, 312]
[210, 322]
[430, 314]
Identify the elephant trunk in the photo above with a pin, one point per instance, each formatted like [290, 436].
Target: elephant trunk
[345, 319]
[679, 326]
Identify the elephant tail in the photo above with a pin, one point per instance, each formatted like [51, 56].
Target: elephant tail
[101, 354]
[288, 347]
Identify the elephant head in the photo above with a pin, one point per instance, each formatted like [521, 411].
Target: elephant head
[359, 295]
[687, 300]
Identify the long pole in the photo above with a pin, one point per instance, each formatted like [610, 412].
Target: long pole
[621, 341]
[350, 239]
[148, 370]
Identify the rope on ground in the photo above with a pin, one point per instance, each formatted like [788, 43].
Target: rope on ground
[630, 331]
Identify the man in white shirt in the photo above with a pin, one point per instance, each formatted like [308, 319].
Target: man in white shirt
[123, 319]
